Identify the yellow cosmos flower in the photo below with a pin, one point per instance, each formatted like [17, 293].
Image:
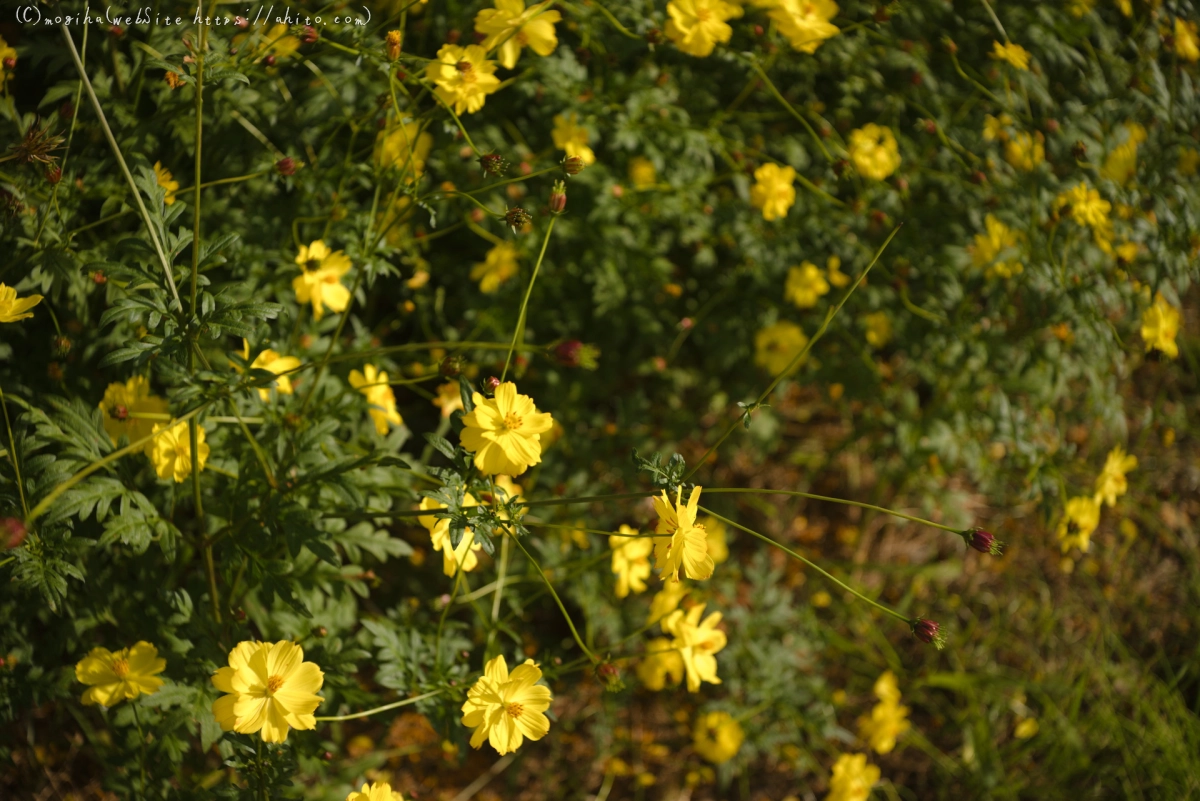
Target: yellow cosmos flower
[166, 181]
[1121, 163]
[171, 451]
[696, 26]
[717, 737]
[403, 147]
[988, 247]
[994, 127]
[121, 401]
[805, 23]
[466, 555]
[271, 689]
[1111, 483]
[874, 151]
[13, 308]
[504, 432]
[506, 709]
[805, 285]
[1014, 54]
[642, 173]
[113, 677]
[272, 361]
[1086, 205]
[777, 345]
[773, 191]
[379, 791]
[320, 279]
[888, 719]
[572, 137]
[1026, 728]
[852, 778]
[666, 601]
[698, 642]
[661, 662]
[1082, 516]
[718, 536]
[686, 543]
[833, 270]
[511, 26]
[879, 329]
[274, 42]
[380, 398]
[630, 560]
[448, 398]
[1160, 324]
[464, 77]
[498, 266]
[1025, 151]
[1187, 40]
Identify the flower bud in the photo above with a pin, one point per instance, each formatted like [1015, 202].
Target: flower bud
[493, 164]
[286, 166]
[558, 198]
[928, 631]
[573, 165]
[241, 23]
[610, 674]
[60, 345]
[12, 532]
[982, 541]
[54, 175]
[394, 40]
[517, 218]
[99, 277]
[116, 31]
[568, 353]
[310, 35]
[451, 366]
[173, 79]
[490, 384]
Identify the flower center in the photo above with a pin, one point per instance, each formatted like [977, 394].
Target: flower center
[273, 684]
[703, 14]
[312, 265]
[121, 668]
[522, 38]
[512, 421]
[515, 709]
[120, 412]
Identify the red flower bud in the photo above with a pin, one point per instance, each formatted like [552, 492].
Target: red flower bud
[573, 165]
[270, 60]
[569, 353]
[982, 541]
[286, 166]
[241, 23]
[310, 35]
[490, 384]
[54, 175]
[116, 31]
[13, 531]
[493, 164]
[517, 218]
[558, 198]
[928, 631]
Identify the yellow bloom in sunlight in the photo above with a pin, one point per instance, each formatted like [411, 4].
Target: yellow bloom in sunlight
[805, 23]
[504, 432]
[448, 398]
[1160, 324]
[773, 191]
[833, 267]
[379, 791]
[805, 285]
[1187, 40]
[630, 560]
[1121, 163]
[888, 719]
[661, 662]
[271, 689]
[121, 401]
[171, 451]
[403, 147]
[852, 778]
[320, 279]
[717, 737]
[466, 555]
[685, 544]
[380, 398]
[777, 345]
[696, 26]
[988, 247]
[1025, 151]
[1111, 483]
[1086, 206]
[879, 329]
[642, 173]
[166, 181]
[1081, 517]
[272, 361]
[464, 77]
[698, 643]
[874, 151]
[718, 545]
[666, 601]
[506, 709]
[572, 137]
[498, 266]
[113, 677]
[511, 27]
[994, 127]
[13, 308]
[1014, 54]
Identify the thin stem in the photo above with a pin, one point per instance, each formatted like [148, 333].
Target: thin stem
[385, 708]
[790, 108]
[141, 745]
[502, 572]
[520, 332]
[437, 643]
[808, 562]
[337, 334]
[12, 455]
[843, 501]
[557, 600]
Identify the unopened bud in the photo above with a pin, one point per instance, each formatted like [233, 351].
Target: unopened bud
[394, 40]
[493, 164]
[928, 631]
[558, 198]
[610, 674]
[60, 345]
[54, 175]
[116, 31]
[310, 35]
[451, 366]
[573, 165]
[241, 23]
[568, 353]
[270, 60]
[321, 631]
[99, 277]
[286, 166]
[13, 532]
[490, 384]
[982, 541]
[517, 218]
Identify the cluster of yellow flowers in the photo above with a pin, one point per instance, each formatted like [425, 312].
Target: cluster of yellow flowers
[991, 251]
[129, 409]
[1082, 514]
[697, 26]
[320, 280]
[888, 718]
[1121, 163]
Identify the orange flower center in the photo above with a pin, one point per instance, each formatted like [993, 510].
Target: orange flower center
[512, 421]
[273, 684]
[515, 709]
[121, 668]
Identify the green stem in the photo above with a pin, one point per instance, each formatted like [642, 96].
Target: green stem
[557, 600]
[12, 455]
[761, 74]
[520, 332]
[843, 501]
[337, 334]
[384, 708]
